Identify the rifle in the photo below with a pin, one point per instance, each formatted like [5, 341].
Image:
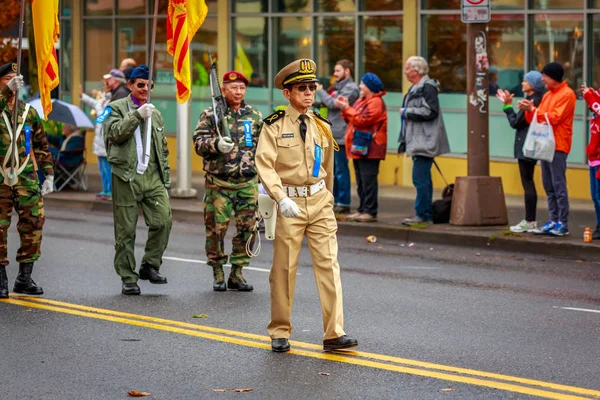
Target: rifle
[218, 101]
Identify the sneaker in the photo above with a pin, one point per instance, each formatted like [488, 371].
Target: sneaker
[99, 196]
[544, 230]
[414, 221]
[341, 209]
[559, 230]
[596, 234]
[364, 217]
[524, 226]
[353, 216]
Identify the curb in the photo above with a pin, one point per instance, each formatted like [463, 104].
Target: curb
[553, 248]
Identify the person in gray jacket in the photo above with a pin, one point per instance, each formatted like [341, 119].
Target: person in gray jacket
[344, 86]
[422, 134]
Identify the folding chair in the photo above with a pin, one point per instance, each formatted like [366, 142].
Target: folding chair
[70, 165]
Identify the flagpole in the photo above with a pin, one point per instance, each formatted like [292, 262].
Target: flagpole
[15, 155]
[151, 81]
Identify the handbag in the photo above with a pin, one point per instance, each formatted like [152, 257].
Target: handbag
[360, 143]
[539, 142]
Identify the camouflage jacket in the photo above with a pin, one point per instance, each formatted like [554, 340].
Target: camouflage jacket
[38, 142]
[237, 166]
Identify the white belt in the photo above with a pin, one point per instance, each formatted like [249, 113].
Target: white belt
[304, 191]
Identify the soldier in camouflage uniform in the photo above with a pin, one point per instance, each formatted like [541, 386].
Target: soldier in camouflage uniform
[25, 196]
[231, 181]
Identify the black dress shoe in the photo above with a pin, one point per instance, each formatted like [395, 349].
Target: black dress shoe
[280, 345]
[343, 342]
[131, 289]
[150, 273]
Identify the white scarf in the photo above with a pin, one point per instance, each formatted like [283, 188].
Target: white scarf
[142, 164]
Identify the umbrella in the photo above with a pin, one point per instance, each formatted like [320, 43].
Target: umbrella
[64, 112]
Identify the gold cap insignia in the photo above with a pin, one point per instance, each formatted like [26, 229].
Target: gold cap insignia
[233, 76]
[306, 67]
[14, 67]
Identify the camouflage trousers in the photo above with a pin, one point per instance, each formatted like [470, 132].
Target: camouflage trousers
[27, 201]
[219, 203]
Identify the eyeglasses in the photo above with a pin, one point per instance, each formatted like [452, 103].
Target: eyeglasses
[302, 88]
[141, 85]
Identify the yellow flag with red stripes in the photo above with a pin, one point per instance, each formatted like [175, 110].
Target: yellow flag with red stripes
[184, 18]
[45, 32]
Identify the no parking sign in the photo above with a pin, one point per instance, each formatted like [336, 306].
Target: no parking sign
[475, 11]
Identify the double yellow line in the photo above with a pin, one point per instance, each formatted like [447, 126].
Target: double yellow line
[372, 360]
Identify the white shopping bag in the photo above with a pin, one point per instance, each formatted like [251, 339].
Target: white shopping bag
[539, 143]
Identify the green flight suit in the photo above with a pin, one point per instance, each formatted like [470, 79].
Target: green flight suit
[132, 190]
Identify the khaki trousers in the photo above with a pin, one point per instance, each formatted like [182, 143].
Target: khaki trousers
[318, 222]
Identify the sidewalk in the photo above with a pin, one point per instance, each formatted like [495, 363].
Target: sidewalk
[395, 204]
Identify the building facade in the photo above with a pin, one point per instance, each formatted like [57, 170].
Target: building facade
[259, 37]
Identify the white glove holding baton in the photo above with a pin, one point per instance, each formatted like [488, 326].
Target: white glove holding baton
[16, 83]
[289, 208]
[225, 145]
[146, 110]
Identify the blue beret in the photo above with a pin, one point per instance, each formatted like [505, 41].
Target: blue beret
[141, 72]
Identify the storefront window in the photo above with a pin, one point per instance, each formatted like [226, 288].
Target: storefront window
[163, 6]
[64, 56]
[65, 7]
[251, 55]
[507, 4]
[99, 7]
[560, 38]
[444, 38]
[381, 5]
[336, 5]
[334, 44]
[506, 52]
[441, 4]
[595, 53]
[292, 6]
[131, 40]
[249, 6]
[98, 46]
[382, 52]
[558, 4]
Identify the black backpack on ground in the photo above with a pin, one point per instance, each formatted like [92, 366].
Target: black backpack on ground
[441, 208]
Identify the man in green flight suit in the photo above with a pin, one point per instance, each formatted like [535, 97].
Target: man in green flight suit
[141, 178]
[19, 186]
[231, 181]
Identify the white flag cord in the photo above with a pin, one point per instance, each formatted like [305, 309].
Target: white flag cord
[12, 179]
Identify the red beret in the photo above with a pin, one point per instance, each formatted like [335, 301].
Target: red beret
[233, 76]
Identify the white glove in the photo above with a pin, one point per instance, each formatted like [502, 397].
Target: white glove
[48, 185]
[15, 83]
[289, 208]
[146, 110]
[225, 145]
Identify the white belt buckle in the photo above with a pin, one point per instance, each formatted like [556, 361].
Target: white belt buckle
[302, 191]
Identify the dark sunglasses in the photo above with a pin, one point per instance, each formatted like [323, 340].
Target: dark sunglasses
[141, 85]
[302, 88]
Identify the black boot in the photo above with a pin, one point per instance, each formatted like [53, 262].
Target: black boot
[236, 280]
[219, 279]
[3, 283]
[596, 234]
[150, 273]
[24, 284]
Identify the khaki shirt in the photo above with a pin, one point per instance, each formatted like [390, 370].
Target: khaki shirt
[282, 158]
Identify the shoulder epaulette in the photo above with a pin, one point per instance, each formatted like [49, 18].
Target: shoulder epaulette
[274, 117]
[322, 118]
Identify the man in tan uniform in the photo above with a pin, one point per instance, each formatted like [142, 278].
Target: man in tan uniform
[294, 160]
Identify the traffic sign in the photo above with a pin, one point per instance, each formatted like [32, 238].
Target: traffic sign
[475, 11]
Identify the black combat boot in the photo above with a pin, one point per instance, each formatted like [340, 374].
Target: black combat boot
[236, 280]
[24, 284]
[150, 273]
[3, 283]
[596, 234]
[219, 279]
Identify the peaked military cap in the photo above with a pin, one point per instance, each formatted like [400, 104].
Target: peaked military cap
[304, 70]
[9, 68]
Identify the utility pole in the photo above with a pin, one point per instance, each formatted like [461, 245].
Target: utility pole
[478, 198]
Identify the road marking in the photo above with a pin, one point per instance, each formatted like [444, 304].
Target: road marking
[356, 358]
[189, 260]
[579, 309]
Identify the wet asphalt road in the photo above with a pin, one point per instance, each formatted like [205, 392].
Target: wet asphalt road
[491, 312]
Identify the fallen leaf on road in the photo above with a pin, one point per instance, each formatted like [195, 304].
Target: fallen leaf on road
[29, 309]
[579, 260]
[477, 254]
[324, 373]
[220, 390]
[200, 316]
[137, 393]
[448, 389]
[243, 390]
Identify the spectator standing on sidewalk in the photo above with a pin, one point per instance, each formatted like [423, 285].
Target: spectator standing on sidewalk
[592, 98]
[559, 105]
[99, 103]
[533, 87]
[367, 114]
[344, 86]
[423, 133]
[115, 80]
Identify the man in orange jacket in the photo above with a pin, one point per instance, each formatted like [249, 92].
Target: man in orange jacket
[559, 105]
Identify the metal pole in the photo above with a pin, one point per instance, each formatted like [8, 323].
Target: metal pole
[478, 153]
[184, 165]
[13, 160]
[150, 83]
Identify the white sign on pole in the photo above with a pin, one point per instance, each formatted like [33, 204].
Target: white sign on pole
[475, 11]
